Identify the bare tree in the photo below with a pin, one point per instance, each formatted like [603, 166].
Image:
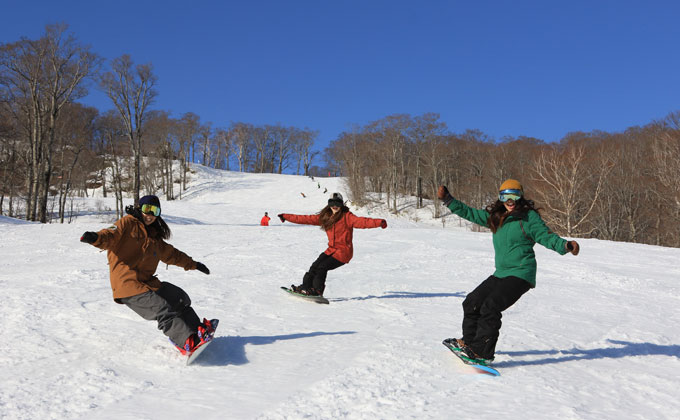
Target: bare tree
[205, 134]
[160, 136]
[188, 128]
[429, 146]
[43, 76]
[570, 188]
[223, 142]
[262, 141]
[75, 133]
[391, 135]
[131, 89]
[348, 151]
[666, 155]
[302, 142]
[112, 138]
[9, 161]
[282, 144]
[477, 148]
[240, 134]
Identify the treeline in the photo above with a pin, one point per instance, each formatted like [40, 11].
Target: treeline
[52, 147]
[615, 186]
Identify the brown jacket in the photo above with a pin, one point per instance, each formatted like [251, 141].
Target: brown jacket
[340, 234]
[133, 257]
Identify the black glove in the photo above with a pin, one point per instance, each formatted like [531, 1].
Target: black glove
[202, 268]
[89, 237]
[572, 246]
[444, 195]
[283, 219]
[383, 224]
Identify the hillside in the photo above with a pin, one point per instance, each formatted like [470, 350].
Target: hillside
[597, 339]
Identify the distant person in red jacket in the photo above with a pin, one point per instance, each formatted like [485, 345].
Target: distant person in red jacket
[265, 219]
[338, 222]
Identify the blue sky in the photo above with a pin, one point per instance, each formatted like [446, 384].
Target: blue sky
[508, 68]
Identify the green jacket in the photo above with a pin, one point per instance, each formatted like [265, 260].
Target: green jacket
[514, 242]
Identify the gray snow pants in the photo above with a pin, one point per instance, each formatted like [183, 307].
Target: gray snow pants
[171, 307]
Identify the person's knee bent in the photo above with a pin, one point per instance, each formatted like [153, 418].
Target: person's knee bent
[470, 304]
[176, 297]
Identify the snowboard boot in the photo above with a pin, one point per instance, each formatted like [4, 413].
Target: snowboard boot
[189, 346]
[305, 291]
[310, 292]
[468, 354]
[206, 330]
[454, 343]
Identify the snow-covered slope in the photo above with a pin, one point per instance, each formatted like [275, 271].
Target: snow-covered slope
[597, 339]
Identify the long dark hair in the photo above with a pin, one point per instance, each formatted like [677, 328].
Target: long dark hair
[156, 230]
[327, 219]
[498, 213]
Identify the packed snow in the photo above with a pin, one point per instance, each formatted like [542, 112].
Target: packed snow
[598, 338]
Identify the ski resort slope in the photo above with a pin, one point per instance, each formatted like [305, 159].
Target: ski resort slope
[598, 338]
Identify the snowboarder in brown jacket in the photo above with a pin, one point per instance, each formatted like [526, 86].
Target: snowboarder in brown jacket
[135, 244]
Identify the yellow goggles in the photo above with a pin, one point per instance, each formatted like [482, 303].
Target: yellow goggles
[151, 209]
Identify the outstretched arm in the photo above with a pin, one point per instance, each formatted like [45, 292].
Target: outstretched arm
[106, 238]
[312, 219]
[366, 222]
[171, 255]
[478, 216]
[539, 232]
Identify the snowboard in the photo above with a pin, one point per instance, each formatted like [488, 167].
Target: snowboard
[472, 367]
[317, 299]
[191, 357]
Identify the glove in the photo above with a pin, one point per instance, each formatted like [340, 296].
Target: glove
[572, 246]
[383, 224]
[283, 219]
[202, 268]
[444, 194]
[89, 237]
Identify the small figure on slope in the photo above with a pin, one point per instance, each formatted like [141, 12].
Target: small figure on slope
[135, 244]
[516, 227]
[338, 222]
[265, 219]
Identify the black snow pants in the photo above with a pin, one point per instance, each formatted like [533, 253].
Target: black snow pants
[170, 306]
[316, 275]
[482, 312]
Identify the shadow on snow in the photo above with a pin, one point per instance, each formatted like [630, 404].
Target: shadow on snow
[231, 350]
[626, 349]
[401, 295]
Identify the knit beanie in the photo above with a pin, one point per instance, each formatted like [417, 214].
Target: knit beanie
[511, 184]
[336, 200]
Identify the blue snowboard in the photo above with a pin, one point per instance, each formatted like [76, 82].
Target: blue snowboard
[474, 367]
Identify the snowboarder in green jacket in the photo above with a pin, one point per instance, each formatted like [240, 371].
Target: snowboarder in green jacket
[516, 227]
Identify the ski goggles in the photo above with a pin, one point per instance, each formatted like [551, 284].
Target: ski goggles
[151, 209]
[506, 195]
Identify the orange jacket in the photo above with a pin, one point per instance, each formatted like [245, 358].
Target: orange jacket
[265, 221]
[340, 234]
[133, 257]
